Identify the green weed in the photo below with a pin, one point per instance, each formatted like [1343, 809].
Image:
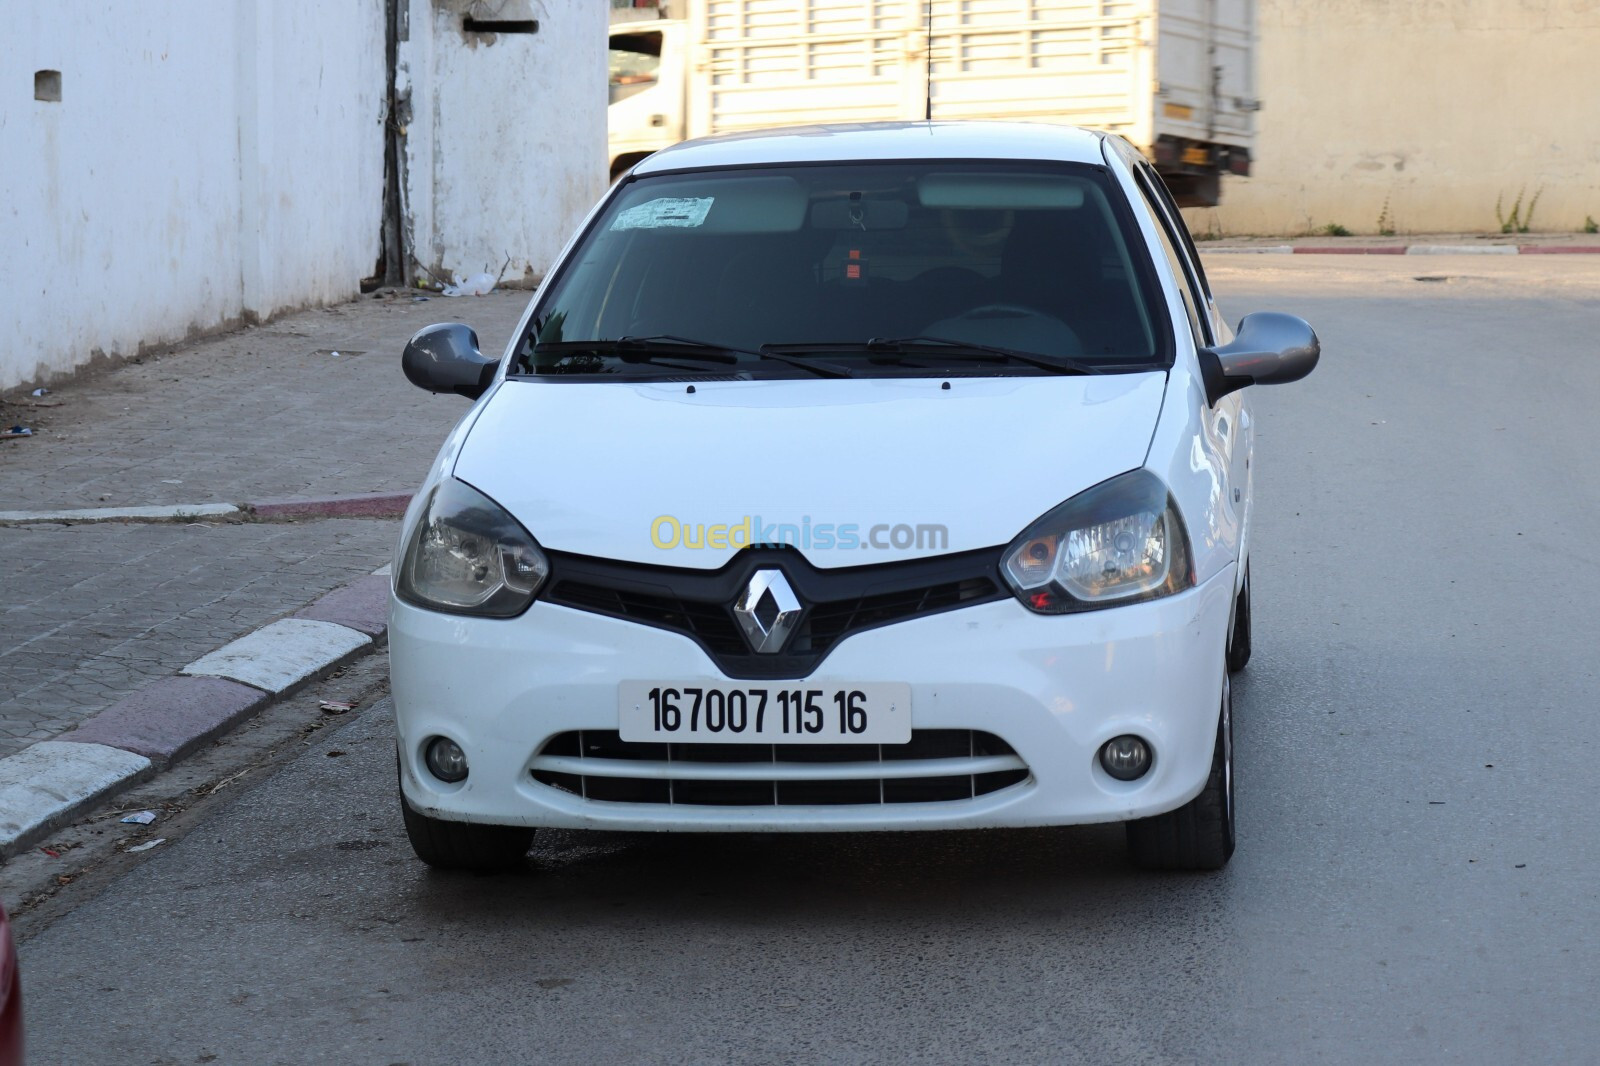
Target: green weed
[1516, 221]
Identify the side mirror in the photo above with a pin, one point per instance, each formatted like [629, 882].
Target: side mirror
[445, 358]
[1269, 349]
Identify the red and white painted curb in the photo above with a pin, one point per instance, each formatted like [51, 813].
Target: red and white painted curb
[45, 785]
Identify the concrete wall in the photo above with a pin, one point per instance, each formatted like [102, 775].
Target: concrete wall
[216, 162]
[312, 163]
[505, 144]
[1434, 107]
[206, 161]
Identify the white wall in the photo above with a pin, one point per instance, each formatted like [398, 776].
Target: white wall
[506, 134]
[207, 162]
[218, 161]
[121, 202]
[313, 148]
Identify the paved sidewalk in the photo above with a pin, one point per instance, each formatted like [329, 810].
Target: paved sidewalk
[91, 613]
[254, 414]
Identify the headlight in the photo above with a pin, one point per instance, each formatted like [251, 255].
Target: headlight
[1119, 542]
[468, 556]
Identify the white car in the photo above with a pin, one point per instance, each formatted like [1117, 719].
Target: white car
[837, 479]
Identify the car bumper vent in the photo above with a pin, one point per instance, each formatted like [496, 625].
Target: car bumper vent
[938, 765]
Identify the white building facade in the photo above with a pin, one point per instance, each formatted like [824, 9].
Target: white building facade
[171, 171]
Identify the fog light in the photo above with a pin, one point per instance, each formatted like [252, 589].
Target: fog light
[1125, 758]
[446, 760]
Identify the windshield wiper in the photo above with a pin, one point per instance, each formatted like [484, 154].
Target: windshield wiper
[650, 349]
[878, 348]
[643, 350]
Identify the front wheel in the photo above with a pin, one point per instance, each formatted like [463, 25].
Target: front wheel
[464, 845]
[1198, 835]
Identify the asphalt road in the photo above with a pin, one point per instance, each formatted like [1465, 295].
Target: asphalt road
[1416, 739]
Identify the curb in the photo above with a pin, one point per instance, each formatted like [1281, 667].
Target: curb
[169, 512]
[362, 505]
[1403, 249]
[47, 784]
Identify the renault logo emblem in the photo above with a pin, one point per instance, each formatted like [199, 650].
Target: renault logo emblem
[767, 611]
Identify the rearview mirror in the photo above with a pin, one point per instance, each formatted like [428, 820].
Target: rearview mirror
[1268, 349]
[445, 358]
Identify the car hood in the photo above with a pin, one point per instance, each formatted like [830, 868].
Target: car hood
[633, 470]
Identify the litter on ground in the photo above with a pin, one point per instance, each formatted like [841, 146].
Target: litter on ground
[480, 284]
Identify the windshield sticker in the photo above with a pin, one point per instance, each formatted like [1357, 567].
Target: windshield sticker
[666, 213]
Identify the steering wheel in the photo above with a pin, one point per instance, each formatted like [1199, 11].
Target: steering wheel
[1005, 311]
[1034, 330]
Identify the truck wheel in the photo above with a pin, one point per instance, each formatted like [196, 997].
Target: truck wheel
[1198, 835]
[464, 845]
[1239, 639]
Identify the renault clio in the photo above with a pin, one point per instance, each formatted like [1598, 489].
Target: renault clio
[844, 478]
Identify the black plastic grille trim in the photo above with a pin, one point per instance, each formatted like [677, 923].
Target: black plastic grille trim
[838, 602]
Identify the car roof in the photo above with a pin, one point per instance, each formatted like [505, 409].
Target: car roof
[845, 142]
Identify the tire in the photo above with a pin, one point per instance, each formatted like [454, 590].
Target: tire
[1198, 835]
[1239, 639]
[464, 845]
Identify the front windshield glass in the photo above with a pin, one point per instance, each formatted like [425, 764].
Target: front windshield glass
[892, 268]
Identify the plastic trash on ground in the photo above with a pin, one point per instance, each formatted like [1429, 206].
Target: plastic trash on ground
[480, 284]
[141, 818]
[147, 845]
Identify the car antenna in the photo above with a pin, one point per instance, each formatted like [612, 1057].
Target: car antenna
[927, 81]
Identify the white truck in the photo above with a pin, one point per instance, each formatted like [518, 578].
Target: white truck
[1175, 77]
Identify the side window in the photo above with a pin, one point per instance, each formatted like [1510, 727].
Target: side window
[634, 60]
[1187, 242]
[1181, 273]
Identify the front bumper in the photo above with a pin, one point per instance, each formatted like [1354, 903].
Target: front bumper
[1054, 688]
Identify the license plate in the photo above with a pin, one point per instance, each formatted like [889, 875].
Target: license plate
[727, 713]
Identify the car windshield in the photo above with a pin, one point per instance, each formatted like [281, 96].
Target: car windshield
[865, 269]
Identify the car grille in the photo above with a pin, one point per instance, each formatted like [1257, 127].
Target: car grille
[837, 603]
[938, 765]
[824, 626]
[708, 623]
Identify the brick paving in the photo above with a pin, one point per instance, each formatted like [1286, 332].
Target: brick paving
[254, 414]
[91, 613]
